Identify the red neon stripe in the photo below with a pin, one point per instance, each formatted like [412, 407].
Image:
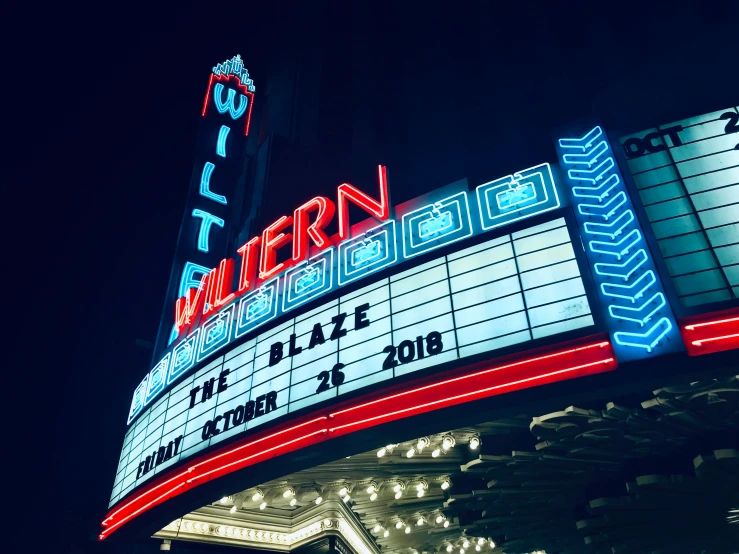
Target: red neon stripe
[711, 339]
[448, 381]
[284, 444]
[526, 371]
[473, 393]
[695, 326]
[712, 332]
[322, 418]
[192, 468]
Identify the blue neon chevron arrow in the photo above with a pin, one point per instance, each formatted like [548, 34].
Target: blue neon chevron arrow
[604, 210]
[624, 270]
[599, 192]
[588, 158]
[592, 175]
[647, 340]
[630, 292]
[619, 248]
[640, 314]
[584, 142]
[612, 229]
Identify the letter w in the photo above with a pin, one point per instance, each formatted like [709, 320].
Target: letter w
[222, 106]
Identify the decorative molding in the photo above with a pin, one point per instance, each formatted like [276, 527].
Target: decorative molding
[274, 529]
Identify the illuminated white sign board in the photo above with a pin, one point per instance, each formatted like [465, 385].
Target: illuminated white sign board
[422, 225]
[508, 290]
[687, 174]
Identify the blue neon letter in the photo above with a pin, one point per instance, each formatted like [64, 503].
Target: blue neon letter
[222, 107]
[221, 144]
[205, 225]
[205, 184]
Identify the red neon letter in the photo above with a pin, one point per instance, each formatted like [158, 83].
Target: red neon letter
[301, 229]
[270, 244]
[381, 209]
[187, 306]
[210, 292]
[248, 264]
[225, 283]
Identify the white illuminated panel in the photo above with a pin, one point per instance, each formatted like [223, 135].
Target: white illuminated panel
[512, 289]
[690, 191]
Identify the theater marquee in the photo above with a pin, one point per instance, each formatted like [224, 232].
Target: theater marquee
[294, 322]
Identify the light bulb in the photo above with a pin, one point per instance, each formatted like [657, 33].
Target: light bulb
[373, 496]
[445, 484]
[377, 528]
[263, 505]
[421, 493]
[398, 495]
[319, 500]
[381, 452]
[466, 544]
[342, 491]
[449, 548]
[447, 442]
[436, 453]
[288, 493]
[480, 541]
[347, 498]
[257, 496]
[407, 530]
[386, 533]
[439, 518]
[461, 551]
[446, 523]
[293, 501]
[411, 452]
[224, 499]
[491, 544]
[420, 521]
[397, 488]
[399, 525]
[371, 489]
[478, 548]
[422, 443]
[474, 442]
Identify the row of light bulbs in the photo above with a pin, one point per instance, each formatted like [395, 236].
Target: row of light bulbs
[447, 443]
[465, 542]
[400, 524]
[373, 490]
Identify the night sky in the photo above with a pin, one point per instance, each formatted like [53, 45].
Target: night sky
[104, 117]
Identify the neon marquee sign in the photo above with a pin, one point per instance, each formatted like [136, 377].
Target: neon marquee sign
[216, 311]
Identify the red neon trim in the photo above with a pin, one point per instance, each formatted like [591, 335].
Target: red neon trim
[712, 332]
[380, 210]
[450, 399]
[270, 243]
[546, 368]
[210, 459]
[244, 90]
[711, 339]
[449, 381]
[696, 325]
[284, 444]
[314, 420]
